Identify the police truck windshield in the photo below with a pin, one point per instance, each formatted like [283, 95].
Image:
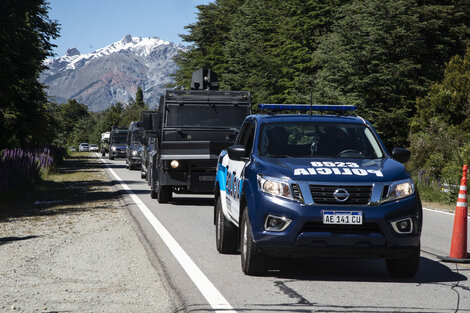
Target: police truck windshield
[322, 140]
[119, 138]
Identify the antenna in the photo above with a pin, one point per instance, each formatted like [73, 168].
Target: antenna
[311, 97]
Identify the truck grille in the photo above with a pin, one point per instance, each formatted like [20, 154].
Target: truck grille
[341, 229]
[323, 194]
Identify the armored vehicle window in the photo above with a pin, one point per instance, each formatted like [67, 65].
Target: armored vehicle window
[309, 139]
[222, 116]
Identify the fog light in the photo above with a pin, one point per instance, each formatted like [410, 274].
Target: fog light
[403, 226]
[174, 164]
[276, 223]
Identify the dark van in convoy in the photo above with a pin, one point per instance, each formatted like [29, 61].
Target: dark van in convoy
[134, 145]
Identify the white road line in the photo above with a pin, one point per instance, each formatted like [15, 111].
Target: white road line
[205, 286]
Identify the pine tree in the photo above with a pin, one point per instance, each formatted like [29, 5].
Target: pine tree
[139, 98]
[381, 56]
[25, 37]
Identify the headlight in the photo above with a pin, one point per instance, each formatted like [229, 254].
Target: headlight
[400, 189]
[134, 153]
[275, 187]
[113, 148]
[174, 164]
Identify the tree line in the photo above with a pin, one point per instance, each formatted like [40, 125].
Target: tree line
[401, 62]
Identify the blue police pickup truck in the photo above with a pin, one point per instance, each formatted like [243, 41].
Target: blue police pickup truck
[321, 185]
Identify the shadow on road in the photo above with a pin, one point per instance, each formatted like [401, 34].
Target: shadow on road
[5, 240]
[192, 201]
[370, 270]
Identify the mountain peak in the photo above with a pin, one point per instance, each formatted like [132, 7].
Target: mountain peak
[72, 51]
[127, 39]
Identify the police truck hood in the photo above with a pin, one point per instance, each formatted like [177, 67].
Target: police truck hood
[333, 169]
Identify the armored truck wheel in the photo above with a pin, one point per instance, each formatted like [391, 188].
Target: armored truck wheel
[404, 267]
[164, 194]
[225, 232]
[252, 261]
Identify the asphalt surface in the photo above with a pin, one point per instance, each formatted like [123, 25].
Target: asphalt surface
[313, 285]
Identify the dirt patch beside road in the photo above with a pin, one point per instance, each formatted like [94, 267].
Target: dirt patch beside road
[75, 250]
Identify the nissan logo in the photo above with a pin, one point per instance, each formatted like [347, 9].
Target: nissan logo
[341, 195]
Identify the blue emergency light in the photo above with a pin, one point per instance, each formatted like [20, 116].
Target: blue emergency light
[307, 107]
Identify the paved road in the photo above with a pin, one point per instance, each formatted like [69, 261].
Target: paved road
[319, 285]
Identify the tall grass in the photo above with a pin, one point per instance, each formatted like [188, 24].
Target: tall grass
[20, 166]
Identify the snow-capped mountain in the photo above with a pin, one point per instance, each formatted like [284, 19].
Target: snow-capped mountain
[113, 73]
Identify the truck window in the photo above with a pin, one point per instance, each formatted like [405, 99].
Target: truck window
[221, 116]
[321, 140]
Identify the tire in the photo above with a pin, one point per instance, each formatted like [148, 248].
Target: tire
[225, 232]
[164, 194]
[127, 165]
[143, 175]
[103, 153]
[404, 267]
[253, 262]
[111, 157]
[153, 194]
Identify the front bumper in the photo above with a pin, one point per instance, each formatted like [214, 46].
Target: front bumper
[308, 236]
[136, 160]
[118, 153]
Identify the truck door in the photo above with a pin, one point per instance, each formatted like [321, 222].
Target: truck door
[236, 170]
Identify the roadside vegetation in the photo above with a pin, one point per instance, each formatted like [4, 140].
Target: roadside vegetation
[405, 64]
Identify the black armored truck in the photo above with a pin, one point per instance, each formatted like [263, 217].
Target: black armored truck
[134, 145]
[195, 126]
[150, 121]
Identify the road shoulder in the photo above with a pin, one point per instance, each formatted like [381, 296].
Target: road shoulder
[79, 254]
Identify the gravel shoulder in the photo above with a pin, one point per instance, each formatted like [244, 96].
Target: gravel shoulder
[78, 252]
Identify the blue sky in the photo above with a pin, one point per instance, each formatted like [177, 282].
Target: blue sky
[92, 24]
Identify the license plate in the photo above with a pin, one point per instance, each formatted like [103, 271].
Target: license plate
[206, 178]
[341, 217]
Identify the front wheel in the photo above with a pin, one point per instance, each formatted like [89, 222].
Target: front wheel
[253, 262]
[225, 232]
[404, 267]
[164, 194]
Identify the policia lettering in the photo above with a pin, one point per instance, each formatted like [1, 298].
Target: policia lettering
[336, 168]
[233, 185]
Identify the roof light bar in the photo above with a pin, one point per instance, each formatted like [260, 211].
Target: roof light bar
[307, 107]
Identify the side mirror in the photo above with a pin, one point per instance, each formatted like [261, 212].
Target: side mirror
[237, 153]
[402, 155]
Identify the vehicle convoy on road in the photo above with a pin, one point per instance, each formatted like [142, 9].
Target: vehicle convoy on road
[196, 125]
[150, 123]
[104, 143]
[134, 145]
[117, 142]
[315, 185]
